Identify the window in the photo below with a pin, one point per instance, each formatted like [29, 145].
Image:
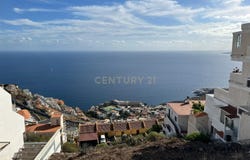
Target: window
[238, 41]
[248, 82]
[175, 118]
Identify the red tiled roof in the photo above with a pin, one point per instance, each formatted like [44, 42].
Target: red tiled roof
[232, 116]
[42, 128]
[149, 123]
[229, 109]
[183, 108]
[56, 115]
[88, 137]
[120, 126]
[87, 128]
[135, 124]
[25, 113]
[103, 127]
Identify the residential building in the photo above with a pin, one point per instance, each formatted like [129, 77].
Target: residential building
[229, 109]
[176, 117]
[91, 132]
[43, 150]
[12, 127]
[198, 123]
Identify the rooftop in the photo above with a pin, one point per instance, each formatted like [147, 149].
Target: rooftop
[103, 127]
[56, 115]
[88, 137]
[229, 109]
[25, 113]
[182, 108]
[87, 128]
[42, 128]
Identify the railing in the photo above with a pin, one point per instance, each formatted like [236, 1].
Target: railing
[52, 146]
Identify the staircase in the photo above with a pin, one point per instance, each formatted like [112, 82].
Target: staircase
[29, 151]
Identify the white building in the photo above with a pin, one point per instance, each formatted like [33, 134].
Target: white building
[229, 110]
[176, 117]
[12, 127]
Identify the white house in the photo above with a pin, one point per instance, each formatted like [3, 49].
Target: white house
[229, 110]
[176, 117]
[12, 127]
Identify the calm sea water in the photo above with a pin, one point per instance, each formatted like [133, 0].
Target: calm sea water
[86, 79]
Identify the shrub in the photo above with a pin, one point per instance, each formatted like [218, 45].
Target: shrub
[196, 136]
[33, 137]
[102, 145]
[198, 107]
[156, 128]
[153, 136]
[70, 147]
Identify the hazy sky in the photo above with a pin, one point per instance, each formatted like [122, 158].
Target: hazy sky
[126, 25]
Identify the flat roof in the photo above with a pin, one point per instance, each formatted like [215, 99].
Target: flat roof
[181, 108]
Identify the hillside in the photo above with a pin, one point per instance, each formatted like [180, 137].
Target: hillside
[164, 149]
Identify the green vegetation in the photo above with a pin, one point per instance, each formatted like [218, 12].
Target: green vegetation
[70, 147]
[154, 136]
[109, 108]
[124, 114]
[156, 128]
[196, 136]
[33, 137]
[92, 114]
[198, 107]
[102, 145]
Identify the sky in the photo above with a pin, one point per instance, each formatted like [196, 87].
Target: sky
[120, 25]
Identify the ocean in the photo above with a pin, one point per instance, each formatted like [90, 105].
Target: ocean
[89, 78]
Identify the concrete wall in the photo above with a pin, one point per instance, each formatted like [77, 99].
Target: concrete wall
[212, 108]
[197, 124]
[168, 133]
[244, 128]
[183, 122]
[12, 127]
[52, 146]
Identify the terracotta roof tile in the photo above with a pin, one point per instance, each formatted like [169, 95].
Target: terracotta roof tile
[229, 109]
[120, 126]
[25, 113]
[42, 128]
[149, 123]
[88, 137]
[183, 108]
[135, 124]
[103, 127]
[87, 128]
[232, 116]
[56, 115]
